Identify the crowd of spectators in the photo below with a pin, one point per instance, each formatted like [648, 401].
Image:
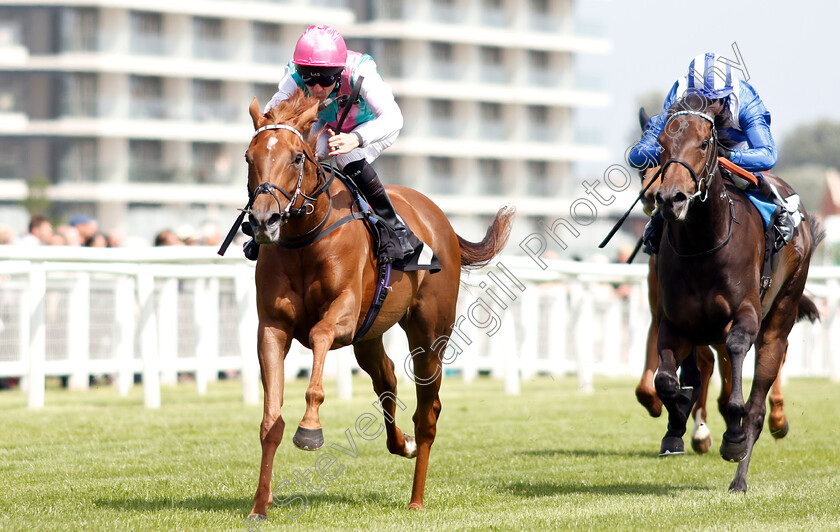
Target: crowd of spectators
[83, 230]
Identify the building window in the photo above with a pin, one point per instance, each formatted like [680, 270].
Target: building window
[539, 182]
[211, 164]
[538, 124]
[147, 98]
[390, 169]
[491, 182]
[389, 58]
[79, 29]
[440, 176]
[79, 162]
[146, 162]
[264, 92]
[443, 62]
[443, 123]
[268, 44]
[79, 95]
[208, 39]
[492, 65]
[492, 124]
[147, 33]
[208, 104]
[12, 154]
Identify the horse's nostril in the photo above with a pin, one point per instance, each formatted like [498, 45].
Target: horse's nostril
[679, 197]
[274, 219]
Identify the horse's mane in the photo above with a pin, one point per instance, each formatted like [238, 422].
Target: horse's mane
[290, 110]
[694, 101]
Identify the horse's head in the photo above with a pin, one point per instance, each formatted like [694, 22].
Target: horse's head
[688, 158]
[282, 169]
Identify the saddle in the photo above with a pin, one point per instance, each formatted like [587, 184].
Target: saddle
[747, 182]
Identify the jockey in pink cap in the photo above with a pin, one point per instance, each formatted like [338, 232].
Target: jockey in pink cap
[323, 67]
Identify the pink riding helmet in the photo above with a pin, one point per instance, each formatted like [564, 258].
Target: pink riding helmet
[320, 46]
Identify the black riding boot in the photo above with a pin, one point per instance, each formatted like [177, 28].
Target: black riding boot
[784, 222]
[364, 176]
[653, 234]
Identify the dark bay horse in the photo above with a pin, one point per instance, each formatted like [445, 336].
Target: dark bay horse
[319, 293]
[701, 438]
[708, 271]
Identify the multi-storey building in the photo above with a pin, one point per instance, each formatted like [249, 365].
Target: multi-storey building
[136, 112]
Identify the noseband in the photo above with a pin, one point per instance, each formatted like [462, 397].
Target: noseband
[709, 167]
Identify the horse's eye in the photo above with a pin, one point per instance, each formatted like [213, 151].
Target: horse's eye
[704, 145]
[298, 159]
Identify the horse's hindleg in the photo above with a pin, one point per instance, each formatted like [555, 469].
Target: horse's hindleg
[645, 391]
[725, 370]
[701, 437]
[738, 342]
[273, 343]
[778, 421]
[375, 362]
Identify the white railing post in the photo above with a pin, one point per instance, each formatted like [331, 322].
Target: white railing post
[78, 332]
[167, 326]
[37, 340]
[832, 330]
[581, 303]
[344, 372]
[125, 308]
[148, 337]
[246, 312]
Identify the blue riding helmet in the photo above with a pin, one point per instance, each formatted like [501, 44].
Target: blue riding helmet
[709, 75]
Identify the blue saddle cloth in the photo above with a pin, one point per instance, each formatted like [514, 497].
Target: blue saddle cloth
[765, 207]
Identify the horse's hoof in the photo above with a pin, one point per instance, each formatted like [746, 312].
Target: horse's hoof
[701, 439]
[415, 506]
[738, 486]
[308, 439]
[671, 445]
[732, 451]
[780, 432]
[253, 521]
[410, 446]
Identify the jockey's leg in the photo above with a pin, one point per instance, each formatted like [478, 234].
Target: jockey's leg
[653, 234]
[784, 222]
[364, 176]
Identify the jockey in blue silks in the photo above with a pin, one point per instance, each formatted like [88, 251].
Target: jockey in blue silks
[754, 149]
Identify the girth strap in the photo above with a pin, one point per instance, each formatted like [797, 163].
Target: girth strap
[383, 286]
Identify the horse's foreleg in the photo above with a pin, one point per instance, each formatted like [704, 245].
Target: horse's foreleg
[738, 342]
[768, 362]
[779, 425]
[334, 325]
[673, 349]
[375, 362]
[273, 343]
[701, 437]
[645, 391]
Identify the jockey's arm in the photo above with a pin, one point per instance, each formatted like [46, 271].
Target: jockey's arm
[645, 153]
[380, 99]
[754, 120]
[285, 89]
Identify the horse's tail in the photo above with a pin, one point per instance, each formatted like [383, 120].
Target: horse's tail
[807, 310]
[476, 255]
[817, 231]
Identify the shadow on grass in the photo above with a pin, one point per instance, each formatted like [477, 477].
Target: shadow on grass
[242, 505]
[593, 453]
[549, 489]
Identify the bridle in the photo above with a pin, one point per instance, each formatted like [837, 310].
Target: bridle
[308, 205]
[710, 169]
[709, 166]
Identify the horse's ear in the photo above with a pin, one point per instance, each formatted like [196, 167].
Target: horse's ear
[256, 115]
[644, 117]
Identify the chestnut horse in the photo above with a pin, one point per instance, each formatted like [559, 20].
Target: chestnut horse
[319, 293]
[701, 437]
[708, 272]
